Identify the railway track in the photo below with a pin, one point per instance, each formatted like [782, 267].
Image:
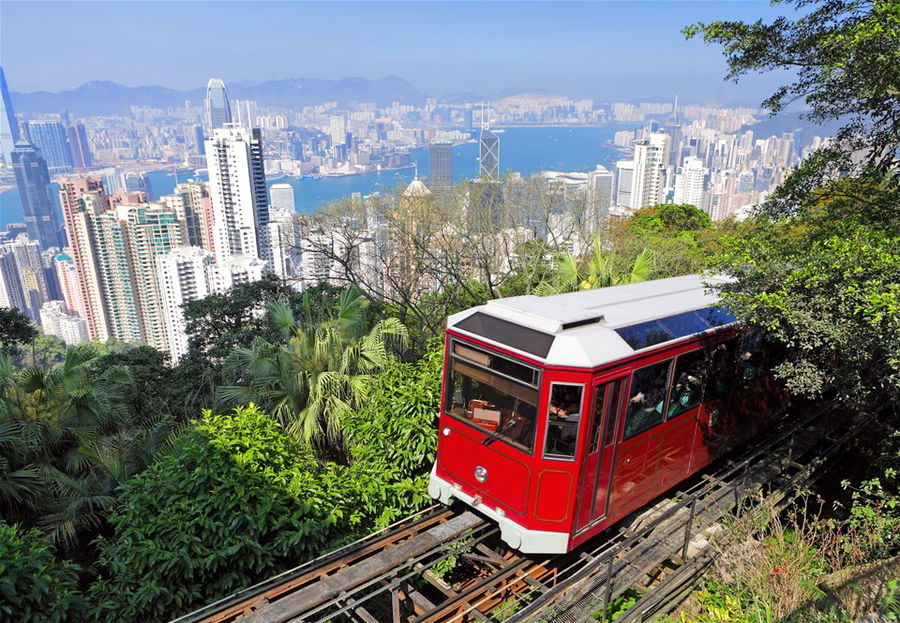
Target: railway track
[394, 575]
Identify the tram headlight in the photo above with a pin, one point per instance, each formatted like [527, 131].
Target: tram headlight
[480, 474]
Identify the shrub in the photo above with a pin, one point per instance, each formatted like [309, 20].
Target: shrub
[34, 585]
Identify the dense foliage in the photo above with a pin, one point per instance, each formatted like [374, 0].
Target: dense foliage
[67, 441]
[240, 498]
[15, 329]
[314, 377]
[826, 283]
[34, 585]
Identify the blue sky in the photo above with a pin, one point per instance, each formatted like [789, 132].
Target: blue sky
[604, 50]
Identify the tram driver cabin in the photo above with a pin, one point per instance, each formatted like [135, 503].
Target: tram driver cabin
[563, 414]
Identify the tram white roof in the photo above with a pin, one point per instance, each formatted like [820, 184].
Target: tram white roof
[579, 328]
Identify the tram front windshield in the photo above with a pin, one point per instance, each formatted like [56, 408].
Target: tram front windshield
[502, 407]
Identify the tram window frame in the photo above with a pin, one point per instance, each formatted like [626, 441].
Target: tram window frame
[750, 355]
[606, 411]
[612, 425]
[728, 379]
[558, 424]
[701, 358]
[632, 387]
[453, 357]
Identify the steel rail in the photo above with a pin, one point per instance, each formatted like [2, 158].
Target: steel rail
[310, 592]
[236, 604]
[634, 557]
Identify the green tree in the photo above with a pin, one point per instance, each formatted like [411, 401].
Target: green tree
[826, 284]
[236, 501]
[844, 56]
[317, 375]
[68, 441]
[34, 585]
[155, 387]
[668, 218]
[596, 269]
[820, 268]
[15, 329]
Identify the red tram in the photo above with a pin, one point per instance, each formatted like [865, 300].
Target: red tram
[562, 414]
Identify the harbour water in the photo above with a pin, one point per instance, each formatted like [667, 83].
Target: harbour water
[522, 149]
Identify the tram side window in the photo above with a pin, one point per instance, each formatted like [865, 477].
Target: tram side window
[750, 355]
[563, 420]
[720, 370]
[687, 382]
[647, 398]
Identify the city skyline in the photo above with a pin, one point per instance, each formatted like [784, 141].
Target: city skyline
[600, 43]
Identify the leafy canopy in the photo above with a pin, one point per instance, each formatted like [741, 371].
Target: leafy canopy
[844, 56]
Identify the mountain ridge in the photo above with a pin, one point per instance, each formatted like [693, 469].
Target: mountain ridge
[104, 97]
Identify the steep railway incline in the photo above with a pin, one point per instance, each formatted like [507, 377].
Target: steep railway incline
[390, 575]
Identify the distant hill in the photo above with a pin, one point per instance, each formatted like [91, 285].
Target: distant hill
[792, 122]
[109, 98]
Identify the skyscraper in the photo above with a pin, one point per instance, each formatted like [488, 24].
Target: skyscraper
[50, 138]
[218, 108]
[283, 197]
[489, 155]
[624, 182]
[440, 161]
[183, 275]
[337, 129]
[9, 129]
[651, 156]
[690, 182]
[234, 157]
[198, 139]
[78, 146]
[33, 181]
[81, 199]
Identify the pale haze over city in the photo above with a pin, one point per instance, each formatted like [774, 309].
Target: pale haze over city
[449, 312]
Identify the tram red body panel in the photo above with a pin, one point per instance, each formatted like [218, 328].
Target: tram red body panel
[555, 451]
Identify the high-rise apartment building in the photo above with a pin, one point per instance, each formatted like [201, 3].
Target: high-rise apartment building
[489, 155]
[55, 320]
[234, 157]
[651, 156]
[82, 199]
[33, 182]
[192, 205]
[284, 232]
[601, 192]
[184, 274]
[337, 129]
[690, 182]
[9, 128]
[218, 108]
[440, 162]
[67, 276]
[28, 264]
[152, 231]
[624, 182]
[282, 197]
[11, 294]
[50, 137]
[78, 146]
